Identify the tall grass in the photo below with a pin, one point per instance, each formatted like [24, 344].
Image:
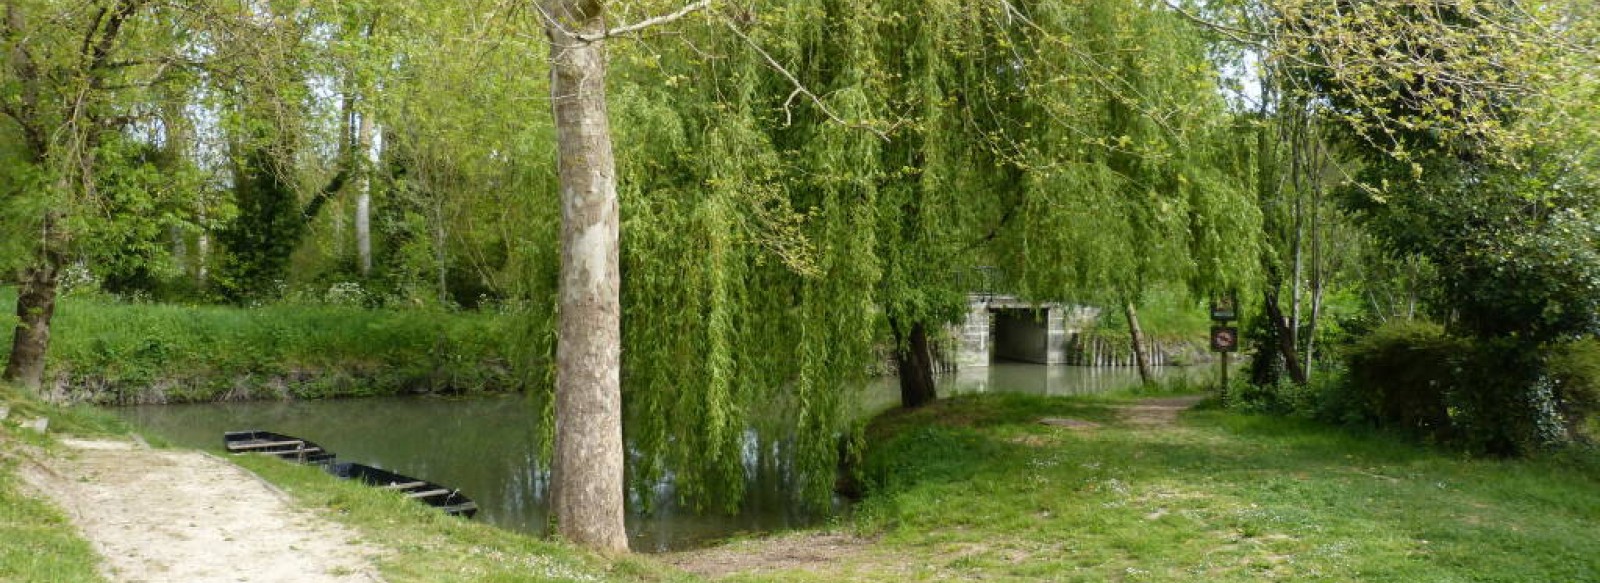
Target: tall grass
[109, 351]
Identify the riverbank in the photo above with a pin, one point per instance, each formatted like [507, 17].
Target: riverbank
[369, 534]
[37, 543]
[1012, 487]
[112, 352]
[1022, 488]
[172, 515]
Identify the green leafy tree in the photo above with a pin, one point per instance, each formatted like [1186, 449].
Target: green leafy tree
[70, 80]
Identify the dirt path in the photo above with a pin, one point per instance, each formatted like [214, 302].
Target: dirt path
[182, 516]
[1158, 412]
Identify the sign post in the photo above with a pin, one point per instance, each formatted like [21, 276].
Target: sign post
[1224, 338]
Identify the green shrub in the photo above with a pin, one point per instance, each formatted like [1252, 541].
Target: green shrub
[1497, 396]
[1501, 402]
[1401, 376]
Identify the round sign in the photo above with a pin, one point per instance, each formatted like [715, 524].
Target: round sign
[1225, 339]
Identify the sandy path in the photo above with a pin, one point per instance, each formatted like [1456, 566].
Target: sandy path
[183, 516]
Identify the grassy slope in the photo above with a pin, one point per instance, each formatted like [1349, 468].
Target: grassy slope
[36, 541]
[427, 546]
[201, 353]
[37, 544]
[978, 488]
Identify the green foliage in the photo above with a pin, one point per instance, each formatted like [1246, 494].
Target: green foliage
[267, 229]
[108, 351]
[1114, 198]
[1491, 396]
[24, 194]
[1514, 248]
[1406, 79]
[1404, 373]
[1449, 108]
[1277, 398]
[146, 196]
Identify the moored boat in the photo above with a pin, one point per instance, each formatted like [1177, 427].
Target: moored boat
[449, 500]
[285, 447]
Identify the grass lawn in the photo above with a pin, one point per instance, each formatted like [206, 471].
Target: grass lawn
[37, 544]
[978, 488]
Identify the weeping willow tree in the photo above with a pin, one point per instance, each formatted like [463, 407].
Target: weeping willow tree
[1128, 179]
[801, 181]
[747, 263]
[1075, 148]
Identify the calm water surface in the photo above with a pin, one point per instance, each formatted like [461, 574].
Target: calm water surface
[485, 446]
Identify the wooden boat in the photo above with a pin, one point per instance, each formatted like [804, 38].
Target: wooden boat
[451, 501]
[285, 447]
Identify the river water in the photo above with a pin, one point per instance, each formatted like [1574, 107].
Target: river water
[486, 447]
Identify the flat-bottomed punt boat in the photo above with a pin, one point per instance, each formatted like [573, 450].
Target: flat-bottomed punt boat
[451, 501]
[285, 447]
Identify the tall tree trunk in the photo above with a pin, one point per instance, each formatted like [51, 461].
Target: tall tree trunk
[202, 246]
[364, 197]
[1141, 351]
[36, 306]
[913, 359]
[1318, 268]
[1297, 276]
[1286, 347]
[366, 161]
[587, 484]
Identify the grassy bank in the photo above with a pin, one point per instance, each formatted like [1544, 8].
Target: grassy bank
[113, 352]
[37, 544]
[419, 544]
[428, 546]
[979, 488]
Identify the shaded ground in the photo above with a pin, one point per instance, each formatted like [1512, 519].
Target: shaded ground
[789, 552]
[158, 515]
